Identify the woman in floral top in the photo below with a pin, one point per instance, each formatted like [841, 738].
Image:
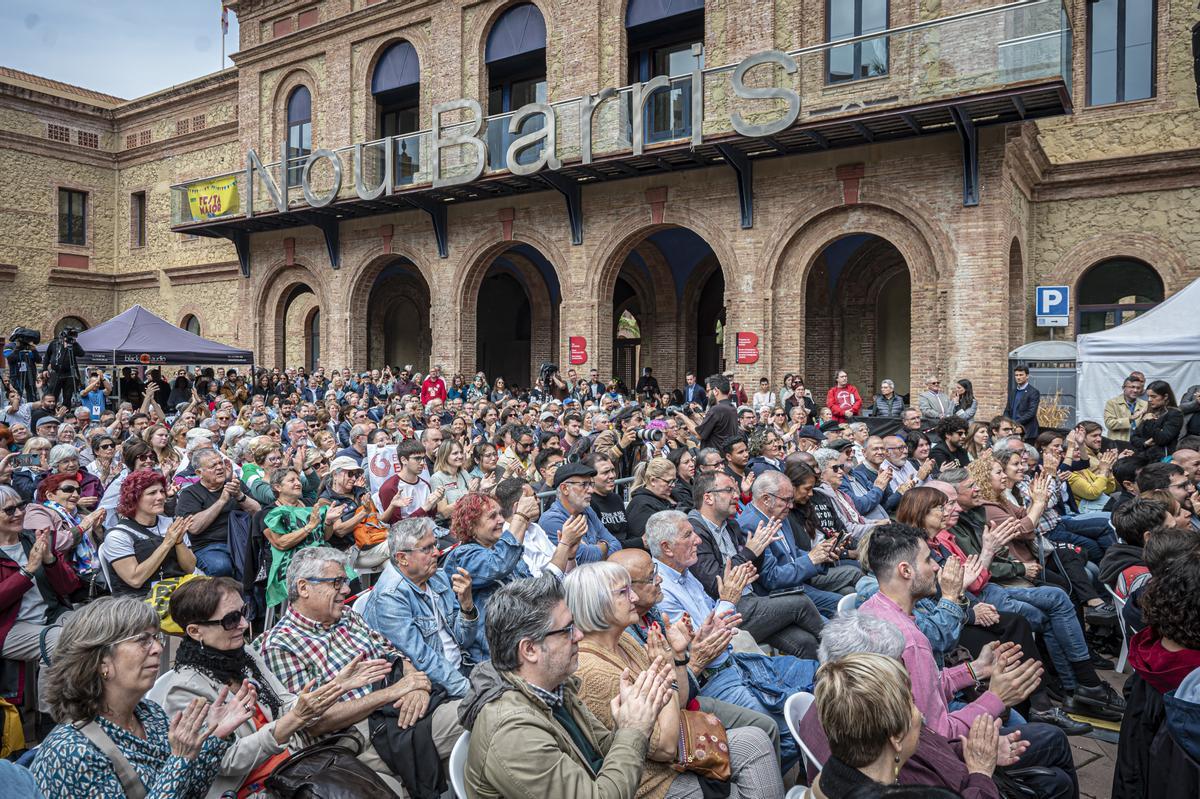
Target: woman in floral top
[106, 660]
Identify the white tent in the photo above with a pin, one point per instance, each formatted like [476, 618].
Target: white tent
[1163, 343]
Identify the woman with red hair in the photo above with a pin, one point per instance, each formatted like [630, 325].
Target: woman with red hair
[144, 546]
[56, 507]
[489, 554]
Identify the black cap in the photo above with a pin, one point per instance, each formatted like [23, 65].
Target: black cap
[569, 470]
[810, 431]
[839, 444]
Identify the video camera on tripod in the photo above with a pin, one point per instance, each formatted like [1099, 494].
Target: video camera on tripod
[23, 361]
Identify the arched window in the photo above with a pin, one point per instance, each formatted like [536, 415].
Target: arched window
[191, 324]
[71, 322]
[1121, 45]
[845, 19]
[516, 64]
[1115, 291]
[299, 132]
[313, 342]
[396, 86]
[666, 37]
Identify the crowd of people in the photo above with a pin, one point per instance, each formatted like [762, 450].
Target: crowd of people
[614, 591]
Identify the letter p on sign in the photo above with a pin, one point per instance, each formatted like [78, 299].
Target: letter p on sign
[1053, 306]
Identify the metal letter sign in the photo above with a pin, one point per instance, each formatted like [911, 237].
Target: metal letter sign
[1053, 306]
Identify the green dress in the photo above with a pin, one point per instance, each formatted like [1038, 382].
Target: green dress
[282, 520]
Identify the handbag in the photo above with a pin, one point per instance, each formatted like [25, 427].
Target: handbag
[131, 783]
[703, 746]
[160, 600]
[329, 769]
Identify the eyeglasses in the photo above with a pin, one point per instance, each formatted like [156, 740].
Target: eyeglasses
[69, 489]
[432, 549]
[726, 490]
[11, 510]
[778, 498]
[230, 621]
[838, 467]
[625, 591]
[109, 445]
[578, 484]
[336, 582]
[653, 579]
[145, 640]
[569, 631]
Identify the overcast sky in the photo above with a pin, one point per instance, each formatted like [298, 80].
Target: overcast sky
[123, 47]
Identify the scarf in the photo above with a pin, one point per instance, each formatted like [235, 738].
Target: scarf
[226, 667]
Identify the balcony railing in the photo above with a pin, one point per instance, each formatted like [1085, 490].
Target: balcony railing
[944, 60]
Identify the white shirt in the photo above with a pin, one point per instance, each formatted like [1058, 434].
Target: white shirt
[763, 399]
[538, 550]
[450, 646]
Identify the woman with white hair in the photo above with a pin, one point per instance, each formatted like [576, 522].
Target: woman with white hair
[64, 459]
[603, 604]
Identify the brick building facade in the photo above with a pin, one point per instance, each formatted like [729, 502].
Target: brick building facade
[869, 235]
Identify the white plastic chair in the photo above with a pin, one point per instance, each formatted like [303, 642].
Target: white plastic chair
[793, 711]
[1119, 604]
[458, 765]
[847, 603]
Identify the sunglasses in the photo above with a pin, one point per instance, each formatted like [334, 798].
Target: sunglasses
[69, 489]
[11, 510]
[230, 621]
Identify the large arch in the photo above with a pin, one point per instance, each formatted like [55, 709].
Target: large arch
[276, 293]
[680, 286]
[508, 264]
[921, 251]
[378, 279]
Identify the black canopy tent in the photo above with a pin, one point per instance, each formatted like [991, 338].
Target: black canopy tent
[137, 337]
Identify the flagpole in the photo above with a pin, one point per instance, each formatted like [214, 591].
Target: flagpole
[222, 24]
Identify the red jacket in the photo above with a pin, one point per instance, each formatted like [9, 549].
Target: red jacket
[56, 582]
[433, 388]
[843, 402]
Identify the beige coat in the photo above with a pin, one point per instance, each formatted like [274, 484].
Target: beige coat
[176, 689]
[1117, 417]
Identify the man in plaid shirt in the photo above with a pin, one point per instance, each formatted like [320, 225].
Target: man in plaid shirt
[319, 636]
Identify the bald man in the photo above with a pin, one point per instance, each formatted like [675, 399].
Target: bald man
[648, 586]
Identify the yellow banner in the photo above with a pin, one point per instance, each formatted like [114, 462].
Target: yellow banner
[213, 198]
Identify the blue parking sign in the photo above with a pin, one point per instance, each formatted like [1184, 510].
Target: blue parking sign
[1053, 305]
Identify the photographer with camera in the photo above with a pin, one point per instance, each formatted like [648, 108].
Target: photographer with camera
[628, 425]
[550, 384]
[24, 362]
[62, 361]
[720, 424]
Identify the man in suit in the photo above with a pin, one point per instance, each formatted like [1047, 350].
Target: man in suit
[693, 392]
[1119, 411]
[1023, 402]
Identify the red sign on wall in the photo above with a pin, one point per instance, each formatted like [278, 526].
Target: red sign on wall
[578, 350]
[746, 346]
